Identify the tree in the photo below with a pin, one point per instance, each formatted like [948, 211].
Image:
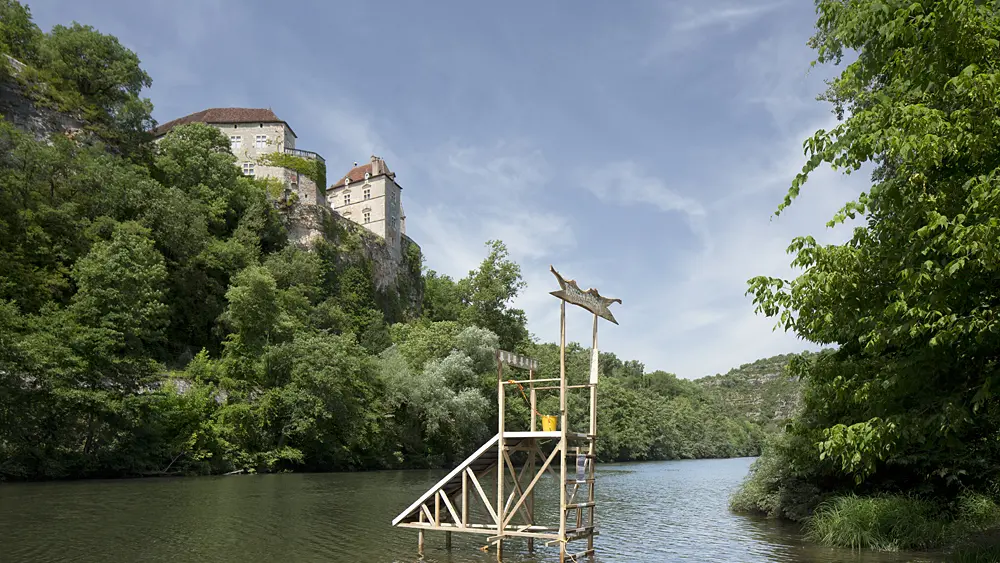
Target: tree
[99, 66]
[442, 298]
[911, 300]
[121, 288]
[488, 292]
[19, 36]
[108, 79]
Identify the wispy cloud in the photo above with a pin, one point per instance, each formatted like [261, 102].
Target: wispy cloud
[624, 183]
[731, 17]
[688, 24]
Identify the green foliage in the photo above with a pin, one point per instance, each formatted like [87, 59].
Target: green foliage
[314, 169]
[895, 522]
[487, 293]
[905, 403]
[19, 36]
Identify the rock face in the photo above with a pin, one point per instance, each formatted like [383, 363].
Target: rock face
[761, 390]
[17, 108]
[398, 281]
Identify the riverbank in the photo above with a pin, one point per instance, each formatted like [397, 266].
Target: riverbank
[963, 528]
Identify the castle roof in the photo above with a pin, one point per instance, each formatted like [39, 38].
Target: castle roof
[376, 167]
[223, 115]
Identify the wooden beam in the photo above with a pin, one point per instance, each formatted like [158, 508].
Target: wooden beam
[482, 494]
[449, 506]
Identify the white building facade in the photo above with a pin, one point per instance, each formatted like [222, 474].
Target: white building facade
[370, 196]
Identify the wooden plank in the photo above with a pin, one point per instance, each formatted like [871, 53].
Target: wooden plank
[427, 511]
[450, 507]
[482, 494]
[517, 360]
[517, 487]
[500, 446]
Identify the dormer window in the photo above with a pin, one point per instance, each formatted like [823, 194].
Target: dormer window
[368, 175]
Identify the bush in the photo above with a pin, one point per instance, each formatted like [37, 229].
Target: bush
[773, 487]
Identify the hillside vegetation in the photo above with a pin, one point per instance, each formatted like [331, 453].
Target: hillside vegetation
[762, 391]
[157, 318]
[896, 443]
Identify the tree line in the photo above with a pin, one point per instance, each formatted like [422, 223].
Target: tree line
[155, 318]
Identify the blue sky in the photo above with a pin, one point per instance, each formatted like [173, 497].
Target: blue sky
[639, 147]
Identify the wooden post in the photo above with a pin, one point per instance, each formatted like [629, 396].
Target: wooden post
[531, 496]
[592, 438]
[531, 387]
[562, 432]
[447, 540]
[500, 453]
[420, 537]
[465, 499]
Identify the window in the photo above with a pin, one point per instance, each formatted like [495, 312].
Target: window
[392, 222]
[235, 142]
[368, 193]
[248, 169]
[260, 142]
[347, 199]
[368, 217]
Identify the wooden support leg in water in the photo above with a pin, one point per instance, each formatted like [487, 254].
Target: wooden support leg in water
[499, 550]
[420, 538]
[447, 540]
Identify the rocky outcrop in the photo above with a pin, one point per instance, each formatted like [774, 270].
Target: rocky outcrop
[18, 108]
[396, 275]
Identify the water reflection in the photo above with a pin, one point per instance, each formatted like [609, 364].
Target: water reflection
[648, 512]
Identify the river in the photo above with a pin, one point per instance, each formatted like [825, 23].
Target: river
[647, 512]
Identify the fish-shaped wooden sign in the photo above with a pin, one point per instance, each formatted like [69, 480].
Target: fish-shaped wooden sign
[590, 300]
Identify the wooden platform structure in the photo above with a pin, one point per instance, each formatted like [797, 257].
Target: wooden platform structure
[520, 460]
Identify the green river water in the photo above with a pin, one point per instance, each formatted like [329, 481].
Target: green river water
[647, 512]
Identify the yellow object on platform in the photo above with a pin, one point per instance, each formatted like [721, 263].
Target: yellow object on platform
[548, 423]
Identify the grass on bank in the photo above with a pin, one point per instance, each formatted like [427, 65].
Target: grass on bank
[898, 522]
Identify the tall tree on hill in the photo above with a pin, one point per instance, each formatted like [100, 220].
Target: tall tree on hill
[488, 292]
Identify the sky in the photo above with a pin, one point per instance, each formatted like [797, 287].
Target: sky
[639, 147]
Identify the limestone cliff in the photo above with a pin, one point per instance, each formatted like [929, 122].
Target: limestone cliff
[396, 275]
[18, 107]
[761, 390]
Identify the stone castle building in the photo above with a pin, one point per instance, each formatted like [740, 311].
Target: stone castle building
[253, 133]
[368, 194]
